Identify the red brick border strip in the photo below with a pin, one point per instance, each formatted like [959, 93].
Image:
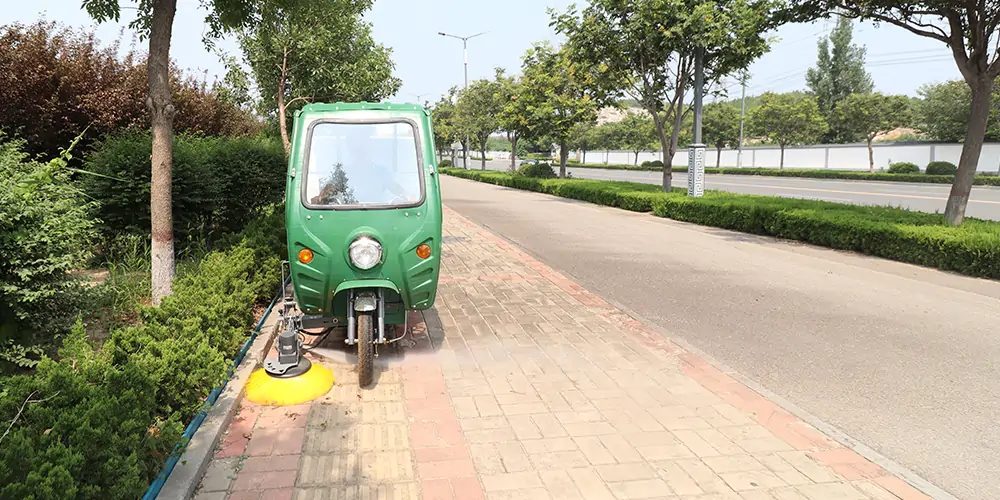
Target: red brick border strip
[791, 429]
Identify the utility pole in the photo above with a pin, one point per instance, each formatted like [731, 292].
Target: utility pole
[743, 111]
[696, 152]
[465, 57]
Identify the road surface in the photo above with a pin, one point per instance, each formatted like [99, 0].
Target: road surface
[984, 203]
[901, 358]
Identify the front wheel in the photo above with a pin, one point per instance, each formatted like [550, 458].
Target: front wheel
[366, 349]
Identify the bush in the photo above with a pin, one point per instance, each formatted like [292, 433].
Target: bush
[914, 237]
[941, 168]
[655, 163]
[45, 232]
[445, 164]
[103, 423]
[537, 170]
[219, 184]
[904, 167]
[56, 81]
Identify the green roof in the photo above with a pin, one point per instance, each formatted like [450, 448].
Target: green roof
[351, 106]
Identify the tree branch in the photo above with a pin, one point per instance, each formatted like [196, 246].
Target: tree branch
[302, 98]
[21, 410]
[914, 27]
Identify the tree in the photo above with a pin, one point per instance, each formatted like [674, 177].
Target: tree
[477, 111]
[557, 93]
[787, 119]
[443, 121]
[969, 30]
[868, 115]
[637, 134]
[943, 112]
[721, 127]
[513, 116]
[155, 22]
[582, 138]
[644, 49]
[839, 72]
[316, 50]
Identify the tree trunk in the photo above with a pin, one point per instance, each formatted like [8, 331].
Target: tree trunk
[563, 154]
[718, 155]
[282, 108]
[968, 162]
[871, 155]
[584, 162]
[671, 147]
[513, 152]
[161, 112]
[668, 167]
[781, 162]
[636, 160]
[483, 151]
[465, 155]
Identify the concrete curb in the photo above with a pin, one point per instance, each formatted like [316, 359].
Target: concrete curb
[187, 474]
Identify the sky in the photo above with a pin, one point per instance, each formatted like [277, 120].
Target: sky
[429, 64]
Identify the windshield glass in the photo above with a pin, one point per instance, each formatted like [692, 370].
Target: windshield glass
[363, 164]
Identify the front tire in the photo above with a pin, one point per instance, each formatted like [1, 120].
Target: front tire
[366, 349]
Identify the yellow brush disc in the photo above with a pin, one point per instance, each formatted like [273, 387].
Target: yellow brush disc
[264, 389]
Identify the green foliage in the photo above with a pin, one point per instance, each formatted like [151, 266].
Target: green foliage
[914, 237]
[941, 168]
[316, 50]
[478, 109]
[637, 133]
[787, 119]
[443, 122]
[56, 82]
[557, 93]
[644, 50]
[45, 232]
[945, 108]
[99, 425]
[536, 170]
[868, 115]
[445, 164]
[652, 165]
[219, 184]
[721, 125]
[839, 72]
[904, 167]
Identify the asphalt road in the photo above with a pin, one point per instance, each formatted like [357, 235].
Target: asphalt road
[901, 358]
[984, 203]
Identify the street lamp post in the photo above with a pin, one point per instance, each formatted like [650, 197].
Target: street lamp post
[696, 152]
[743, 110]
[465, 56]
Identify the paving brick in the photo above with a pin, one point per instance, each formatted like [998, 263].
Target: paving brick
[830, 491]
[220, 474]
[752, 480]
[558, 460]
[511, 481]
[677, 478]
[644, 488]
[626, 472]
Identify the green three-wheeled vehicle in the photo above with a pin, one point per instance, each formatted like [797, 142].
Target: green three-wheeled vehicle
[363, 215]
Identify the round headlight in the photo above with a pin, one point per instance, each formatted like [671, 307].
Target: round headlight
[365, 252]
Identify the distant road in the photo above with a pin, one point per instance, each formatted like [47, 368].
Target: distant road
[984, 204]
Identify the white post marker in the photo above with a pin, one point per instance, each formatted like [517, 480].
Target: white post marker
[696, 170]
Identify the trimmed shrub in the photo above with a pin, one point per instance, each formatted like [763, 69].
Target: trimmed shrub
[904, 167]
[445, 164]
[914, 237]
[537, 170]
[45, 232]
[219, 184]
[103, 423]
[655, 163]
[941, 168]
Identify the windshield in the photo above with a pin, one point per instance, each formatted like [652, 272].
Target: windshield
[363, 164]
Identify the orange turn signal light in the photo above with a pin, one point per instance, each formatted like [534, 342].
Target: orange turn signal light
[423, 250]
[305, 256]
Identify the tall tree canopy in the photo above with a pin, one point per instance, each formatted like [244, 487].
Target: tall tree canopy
[721, 125]
[868, 115]
[839, 72]
[787, 119]
[443, 121]
[317, 50]
[644, 50]
[944, 108]
[478, 110]
[969, 29]
[557, 93]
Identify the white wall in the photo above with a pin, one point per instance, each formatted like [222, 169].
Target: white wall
[839, 157]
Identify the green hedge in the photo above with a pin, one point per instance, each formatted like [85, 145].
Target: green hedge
[904, 167]
[105, 421]
[913, 237]
[982, 179]
[219, 184]
[941, 168]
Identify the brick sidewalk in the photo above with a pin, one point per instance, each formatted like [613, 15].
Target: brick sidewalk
[523, 385]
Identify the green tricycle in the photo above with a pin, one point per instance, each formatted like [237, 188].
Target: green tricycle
[363, 215]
